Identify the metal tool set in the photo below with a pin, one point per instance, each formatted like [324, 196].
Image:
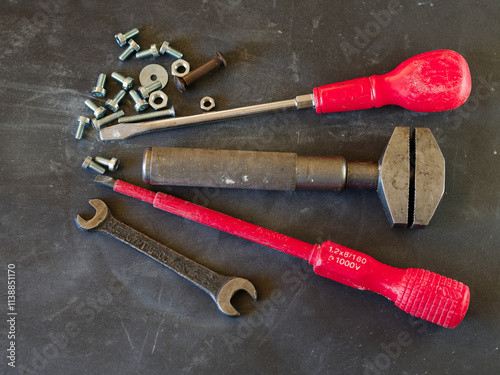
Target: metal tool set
[409, 177]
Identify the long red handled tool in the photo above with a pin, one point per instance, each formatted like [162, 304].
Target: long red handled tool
[430, 82]
[421, 293]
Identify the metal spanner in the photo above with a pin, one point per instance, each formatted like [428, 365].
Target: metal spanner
[221, 288]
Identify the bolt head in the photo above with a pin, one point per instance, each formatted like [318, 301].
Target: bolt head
[144, 92]
[99, 92]
[141, 105]
[134, 45]
[112, 105]
[128, 83]
[95, 124]
[154, 50]
[86, 162]
[163, 48]
[84, 120]
[113, 164]
[99, 112]
[120, 39]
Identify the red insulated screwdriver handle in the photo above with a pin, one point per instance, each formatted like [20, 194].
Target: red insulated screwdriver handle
[421, 293]
[430, 82]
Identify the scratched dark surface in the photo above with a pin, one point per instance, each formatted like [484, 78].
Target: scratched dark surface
[88, 304]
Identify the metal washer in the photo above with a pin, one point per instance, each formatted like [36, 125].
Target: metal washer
[153, 70]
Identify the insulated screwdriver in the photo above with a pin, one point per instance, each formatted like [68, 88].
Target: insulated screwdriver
[430, 82]
[421, 293]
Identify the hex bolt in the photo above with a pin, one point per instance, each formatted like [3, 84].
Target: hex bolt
[88, 163]
[146, 116]
[121, 39]
[98, 124]
[112, 164]
[146, 90]
[132, 46]
[98, 111]
[99, 91]
[182, 83]
[83, 122]
[152, 51]
[165, 48]
[140, 104]
[114, 104]
[127, 82]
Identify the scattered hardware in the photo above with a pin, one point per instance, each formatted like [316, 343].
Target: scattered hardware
[121, 39]
[127, 82]
[221, 288]
[207, 103]
[165, 48]
[89, 163]
[132, 47]
[180, 68]
[145, 116]
[152, 73]
[114, 104]
[112, 164]
[83, 123]
[98, 111]
[98, 124]
[139, 104]
[145, 91]
[152, 51]
[158, 100]
[183, 82]
[99, 91]
[421, 293]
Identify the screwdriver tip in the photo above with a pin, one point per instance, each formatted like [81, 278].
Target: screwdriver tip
[105, 180]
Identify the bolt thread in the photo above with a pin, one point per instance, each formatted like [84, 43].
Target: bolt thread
[173, 52]
[135, 96]
[101, 80]
[96, 167]
[153, 87]
[89, 103]
[145, 116]
[79, 130]
[126, 53]
[118, 97]
[131, 33]
[144, 54]
[109, 118]
[117, 76]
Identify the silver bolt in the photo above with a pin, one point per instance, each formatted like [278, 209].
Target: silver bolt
[140, 104]
[114, 104]
[83, 122]
[127, 82]
[111, 164]
[165, 48]
[98, 111]
[152, 51]
[132, 46]
[145, 91]
[145, 116]
[88, 163]
[98, 124]
[99, 91]
[121, 39]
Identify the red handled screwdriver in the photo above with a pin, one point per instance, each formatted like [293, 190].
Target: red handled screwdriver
[421, 293]
[430, 82]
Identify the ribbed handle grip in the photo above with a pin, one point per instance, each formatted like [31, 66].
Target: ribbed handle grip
[432, 297]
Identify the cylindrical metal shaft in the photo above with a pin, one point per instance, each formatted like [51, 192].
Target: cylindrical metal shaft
[183, 82]
[254, 170]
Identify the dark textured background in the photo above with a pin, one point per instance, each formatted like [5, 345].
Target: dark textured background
[88, 304]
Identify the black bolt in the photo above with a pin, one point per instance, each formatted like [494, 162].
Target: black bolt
[182, 83]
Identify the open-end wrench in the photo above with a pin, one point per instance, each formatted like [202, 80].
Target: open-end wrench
[421, 293]
[409, 177]
[221, 288]
[430, 82]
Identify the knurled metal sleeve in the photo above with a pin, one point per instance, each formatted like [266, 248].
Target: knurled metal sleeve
[220, 168]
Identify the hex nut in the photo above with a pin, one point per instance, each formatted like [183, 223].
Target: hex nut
[207, 103]
[180, 64]
[155, 96]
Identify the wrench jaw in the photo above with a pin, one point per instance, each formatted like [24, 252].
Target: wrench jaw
[394, 177]
[100, 216]
[429, 177]
[228, 290]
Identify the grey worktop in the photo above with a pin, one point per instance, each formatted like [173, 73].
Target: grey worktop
[88, 304]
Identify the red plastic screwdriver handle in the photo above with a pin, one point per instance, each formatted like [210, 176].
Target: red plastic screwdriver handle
[430, 82]
[421, 293]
